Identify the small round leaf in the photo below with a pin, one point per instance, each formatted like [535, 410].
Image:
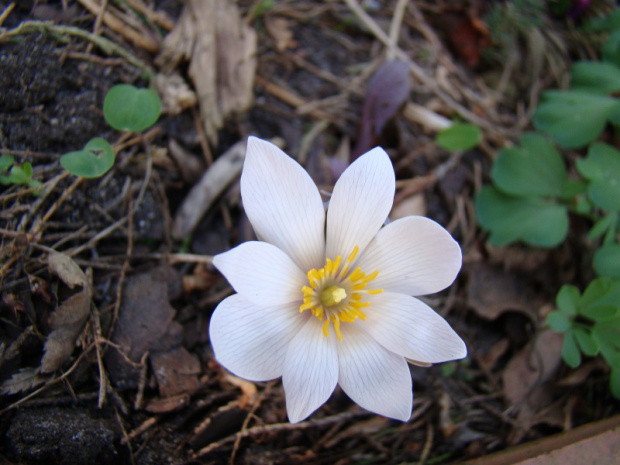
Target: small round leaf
[459, 136]
[94, 161]
[128, 108]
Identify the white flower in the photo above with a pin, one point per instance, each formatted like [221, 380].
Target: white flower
[326, 298]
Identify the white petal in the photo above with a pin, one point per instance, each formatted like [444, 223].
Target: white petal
[283, 204]
[404, 325]
[310, 370]
[414, 255]
[372, 376]
[360, 203]
[261, 273]
[251, 341]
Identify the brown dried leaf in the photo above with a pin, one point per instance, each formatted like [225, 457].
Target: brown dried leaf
[221, 49]
[69, 318]
[176, 371]
[491, 292]
[532, 366]
[24, 380]
[66, 269]
[279, 29]
[168, 404]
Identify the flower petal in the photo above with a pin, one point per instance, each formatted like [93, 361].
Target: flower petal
[252, 341]
[408, 327]
[310, 370]
[283, 204]
[372, 376]
[261, 273]
[360, 203]
[414, 255]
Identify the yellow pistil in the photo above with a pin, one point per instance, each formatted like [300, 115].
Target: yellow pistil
[336, 295]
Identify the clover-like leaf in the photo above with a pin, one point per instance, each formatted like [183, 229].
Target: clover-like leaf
[588, 345]
[574, 118]
[570, 351]
[128, 108]
[558, 321]
[611, 49]
[606, 261]
[535, 168]
[567, 299]
[602, 168]
[459, 136]
[5, 162]
[596, 77]
[93, 161]
[594, 294]
[534, 220]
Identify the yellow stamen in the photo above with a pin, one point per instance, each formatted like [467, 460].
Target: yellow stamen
[336, 295]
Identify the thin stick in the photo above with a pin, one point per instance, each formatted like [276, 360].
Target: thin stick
[397, 20]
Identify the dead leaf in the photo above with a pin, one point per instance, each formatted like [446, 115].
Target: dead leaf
[176, 371]
[145, 323]
[532, 366]
[491, 292]
[69, 318]
[279, 29]
[24, 380]
[388, 89]
[175, 94]
[221, 49]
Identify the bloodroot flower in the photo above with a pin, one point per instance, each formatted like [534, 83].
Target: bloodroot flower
[325, 298]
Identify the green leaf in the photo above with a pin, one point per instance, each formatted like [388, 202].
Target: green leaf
[5, 162]
[128, 108]
[593, 76]
[533, 220]
[602, 168]
[603, 225]
[611, 49]
[607, 261]
[94, 161]
[567, 299]
[601, 313]
[607, 335]
[586, 342]
[594, 293]
[614, 381]
[558, 321]
[459, 136]
[20, 174]
[572, 118]
[535, 168]
[570, 351]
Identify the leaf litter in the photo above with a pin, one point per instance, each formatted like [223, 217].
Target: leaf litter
[307, 73]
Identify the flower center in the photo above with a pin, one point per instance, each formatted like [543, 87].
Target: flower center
[336, 295]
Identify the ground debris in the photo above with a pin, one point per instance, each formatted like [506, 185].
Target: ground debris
[69, 318]
[145, 323]
[221, 49]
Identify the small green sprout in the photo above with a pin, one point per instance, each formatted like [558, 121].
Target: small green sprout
[93, 161]
[16, 174]
[127, 108]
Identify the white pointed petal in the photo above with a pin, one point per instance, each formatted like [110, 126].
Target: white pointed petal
[372, 376]
[283, 204]
[408, 327]
[360, 203]
[251, 341]
[414, 255]
[310, 370]
[261, 273]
